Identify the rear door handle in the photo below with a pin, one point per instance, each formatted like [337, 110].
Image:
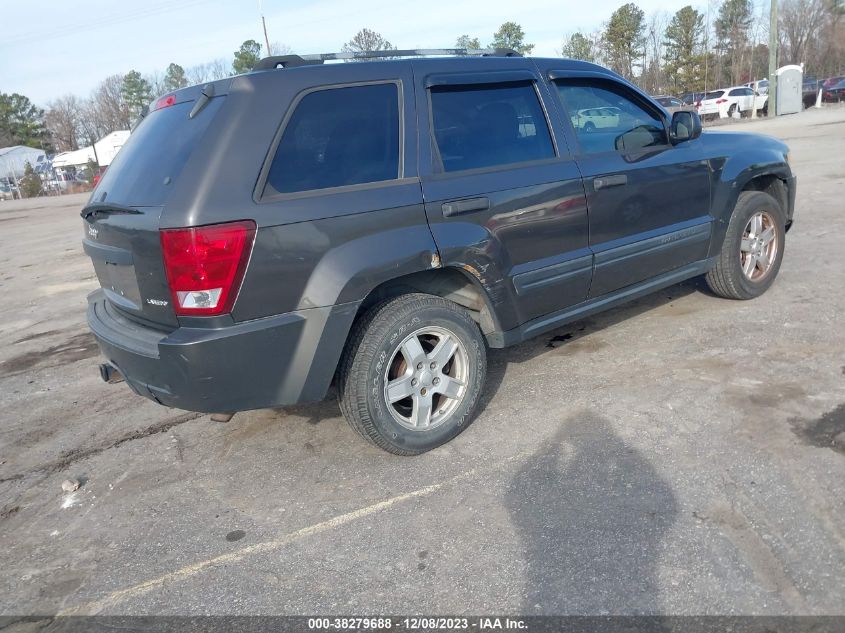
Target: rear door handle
[617, 180]
[456, 207]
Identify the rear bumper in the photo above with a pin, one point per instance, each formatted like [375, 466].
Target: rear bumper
[274, 361]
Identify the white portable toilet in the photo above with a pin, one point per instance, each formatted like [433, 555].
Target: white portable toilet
[790, 79]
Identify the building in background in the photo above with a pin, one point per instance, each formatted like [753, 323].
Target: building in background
[106, 149]
[13, 161]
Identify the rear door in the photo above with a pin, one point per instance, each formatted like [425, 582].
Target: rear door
[502, 193]
[122, 217]
[648, 200]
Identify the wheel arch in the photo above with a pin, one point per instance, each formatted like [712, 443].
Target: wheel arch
[449, 282]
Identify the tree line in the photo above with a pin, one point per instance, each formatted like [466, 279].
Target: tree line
[723, 45]
[690, 50]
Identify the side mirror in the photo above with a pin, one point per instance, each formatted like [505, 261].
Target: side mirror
[686, 126]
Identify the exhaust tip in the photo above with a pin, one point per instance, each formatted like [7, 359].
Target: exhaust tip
[110, 374]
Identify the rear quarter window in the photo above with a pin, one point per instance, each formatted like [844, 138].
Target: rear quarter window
[338, 137]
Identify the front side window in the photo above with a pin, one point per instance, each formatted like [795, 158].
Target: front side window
[487, 125]
[338, 137]
[623, 126]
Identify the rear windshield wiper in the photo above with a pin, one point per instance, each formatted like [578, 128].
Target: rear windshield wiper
[107, 209]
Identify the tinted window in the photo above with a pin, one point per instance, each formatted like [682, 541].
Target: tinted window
[713, 95]
[145, 168]
[630, 126]
[483, 126]
[337, 137]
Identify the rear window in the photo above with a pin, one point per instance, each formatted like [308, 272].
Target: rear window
[145, 168]
[713, 95]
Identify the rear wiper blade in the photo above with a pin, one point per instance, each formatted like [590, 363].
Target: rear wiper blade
[107, 209]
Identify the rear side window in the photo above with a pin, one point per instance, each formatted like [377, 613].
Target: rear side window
[338, 137]
[145, 168]
[484, 126]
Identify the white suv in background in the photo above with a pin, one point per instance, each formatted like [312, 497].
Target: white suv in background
[726, 102]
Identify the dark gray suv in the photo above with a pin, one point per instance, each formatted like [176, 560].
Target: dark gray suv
[382, 224]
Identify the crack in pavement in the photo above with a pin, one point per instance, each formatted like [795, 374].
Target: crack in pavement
[69, 457]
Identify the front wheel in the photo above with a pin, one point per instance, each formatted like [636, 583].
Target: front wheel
[412, 373]
[753, 248]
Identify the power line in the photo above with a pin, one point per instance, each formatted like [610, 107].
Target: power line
[103, 21]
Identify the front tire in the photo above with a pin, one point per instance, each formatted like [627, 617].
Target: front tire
[412, 373]
[753, 248]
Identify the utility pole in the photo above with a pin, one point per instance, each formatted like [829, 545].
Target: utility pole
[773, 59]
[264, 26]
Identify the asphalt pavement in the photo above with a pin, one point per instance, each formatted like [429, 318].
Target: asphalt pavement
[683, 454]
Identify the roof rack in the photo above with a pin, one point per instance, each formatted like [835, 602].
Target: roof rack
[290, 61]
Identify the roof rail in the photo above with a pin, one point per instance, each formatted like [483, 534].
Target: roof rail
[290, 61]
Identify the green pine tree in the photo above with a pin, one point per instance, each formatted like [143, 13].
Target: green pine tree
[174, 78]
[684, 55]
[137, 93]
[246, 57]
[465, 41]
[510, 35]
[579, 46]
[30, 183]
[624, 39]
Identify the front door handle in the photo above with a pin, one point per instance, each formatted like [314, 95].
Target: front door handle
[456, 207]
[617, 180]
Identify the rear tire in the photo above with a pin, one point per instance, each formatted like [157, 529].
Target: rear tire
[412, 373]
[753, 248]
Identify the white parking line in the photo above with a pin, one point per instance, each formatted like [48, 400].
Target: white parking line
[91, 608]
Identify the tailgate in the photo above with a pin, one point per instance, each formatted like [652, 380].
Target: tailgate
[123, 217]
[124, 246]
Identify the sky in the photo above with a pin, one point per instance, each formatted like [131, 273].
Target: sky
[69, 47]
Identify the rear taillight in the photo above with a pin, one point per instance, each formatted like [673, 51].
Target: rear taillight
[205, 265]
[718, 101]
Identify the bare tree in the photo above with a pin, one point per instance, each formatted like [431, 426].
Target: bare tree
[64, 122]
[279, 48]
[209, 71]
[800, 22]
[652, 74]
[106, 110]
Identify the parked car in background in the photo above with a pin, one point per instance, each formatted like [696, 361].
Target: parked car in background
[7, 192]
[810, 91]
[98, 175]
[590, 119]
[835, 93]
[726, 102]
[830, 82]
[673, 104]
[692, 98]
[760, 86]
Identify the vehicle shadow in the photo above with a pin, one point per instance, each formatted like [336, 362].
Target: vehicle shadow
[590, 512]
[499, 359]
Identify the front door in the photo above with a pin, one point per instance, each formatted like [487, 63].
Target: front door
[648, 200]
